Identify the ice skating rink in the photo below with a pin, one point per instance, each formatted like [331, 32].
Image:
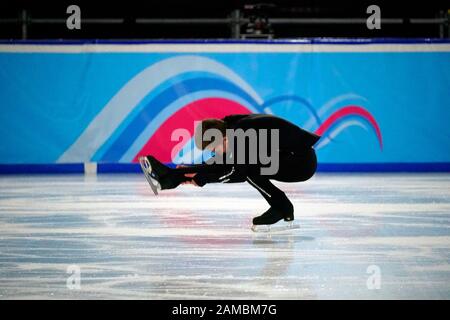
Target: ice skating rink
[196, 243]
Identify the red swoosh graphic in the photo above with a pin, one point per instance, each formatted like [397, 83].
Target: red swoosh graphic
[347, 111]
[160, 145]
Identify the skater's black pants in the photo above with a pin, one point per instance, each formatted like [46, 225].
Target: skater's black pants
[293, 167]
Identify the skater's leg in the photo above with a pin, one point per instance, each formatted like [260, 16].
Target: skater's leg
[296, 167]
[293, 167]
[168, 178]
[172, 179]
[280, 206]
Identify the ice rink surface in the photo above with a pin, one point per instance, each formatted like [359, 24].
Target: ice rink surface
[196, 243]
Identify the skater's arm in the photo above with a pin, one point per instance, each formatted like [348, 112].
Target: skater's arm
[231, 174]
[202, 174]
[198, 168]
[200, 179]
[213, 165]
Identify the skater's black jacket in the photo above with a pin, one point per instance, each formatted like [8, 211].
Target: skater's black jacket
[292, 139]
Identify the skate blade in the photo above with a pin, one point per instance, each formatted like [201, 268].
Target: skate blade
[279, 227]
[147, 170]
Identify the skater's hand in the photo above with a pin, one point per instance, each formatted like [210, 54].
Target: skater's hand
[190, 182]
[190, 175]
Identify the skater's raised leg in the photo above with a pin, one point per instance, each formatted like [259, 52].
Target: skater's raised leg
[170, 178]
[160, 176]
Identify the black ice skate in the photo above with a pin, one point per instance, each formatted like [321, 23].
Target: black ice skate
[269, 221]
[158, 175]
[150, 174]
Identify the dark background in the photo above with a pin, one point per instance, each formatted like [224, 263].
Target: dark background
[131, 10]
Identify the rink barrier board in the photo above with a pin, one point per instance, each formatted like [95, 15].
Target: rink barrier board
[250, 46]
[79, 168]
[56, 168]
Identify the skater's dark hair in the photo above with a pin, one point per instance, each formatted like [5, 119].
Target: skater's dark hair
[205, 125]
